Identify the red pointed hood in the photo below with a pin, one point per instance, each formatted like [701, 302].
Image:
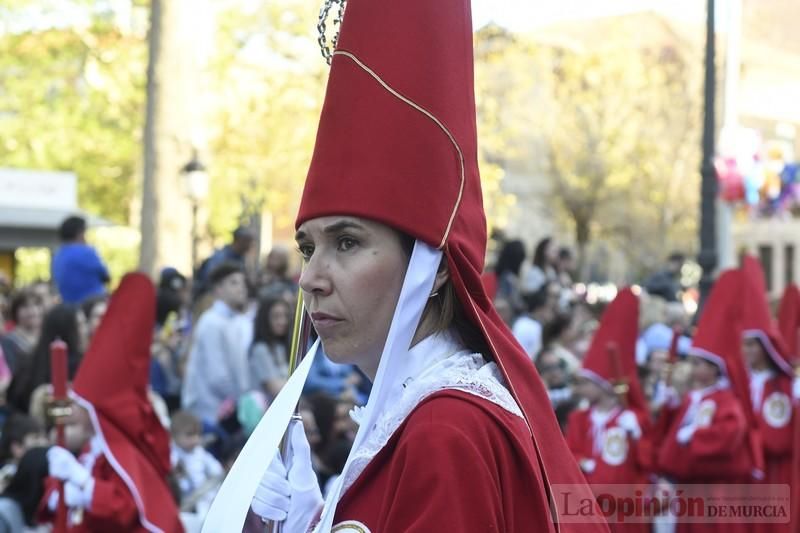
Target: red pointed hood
[718, 335]
[789, 321]
[611, 358]
[718, 339]
[112, 383]
[397, 144]
[757, 320]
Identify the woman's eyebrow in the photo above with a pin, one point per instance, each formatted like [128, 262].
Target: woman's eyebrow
[333, 228]
[342, 225]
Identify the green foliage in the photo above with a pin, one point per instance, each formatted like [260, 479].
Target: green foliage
[72, 99]
[32, 264]
[623, 149]
[268, 80]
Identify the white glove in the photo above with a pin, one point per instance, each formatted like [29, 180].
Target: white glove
[296, 497]
[685, 433]
[627, 421]
[588, 465]
[666, 395]
[64, 466]
[796, 388]
[74, 496]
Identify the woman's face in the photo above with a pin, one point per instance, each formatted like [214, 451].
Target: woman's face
[279, 319]
[351, 282]
[30, 314]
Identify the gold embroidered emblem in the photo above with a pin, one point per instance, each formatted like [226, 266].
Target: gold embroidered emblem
[777, 410]
[615, 447]
[350, 526]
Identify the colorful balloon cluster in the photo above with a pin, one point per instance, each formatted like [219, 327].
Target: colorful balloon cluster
[766, 183]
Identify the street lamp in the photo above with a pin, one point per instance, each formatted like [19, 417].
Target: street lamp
[708, 188]
[196, 176]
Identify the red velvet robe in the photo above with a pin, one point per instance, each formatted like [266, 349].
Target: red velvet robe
[775, 422]
[626, 464]
[113, 507]
[715, 455]
[457, 463]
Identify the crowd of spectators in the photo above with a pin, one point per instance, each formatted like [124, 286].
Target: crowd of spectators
[537, 297]
[221, 345]
[220, 354]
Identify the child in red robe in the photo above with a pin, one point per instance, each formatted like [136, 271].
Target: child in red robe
[707, 439]
[771, 376]
[606, 435]
[119, 481]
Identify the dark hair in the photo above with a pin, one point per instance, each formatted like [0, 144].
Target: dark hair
[20, 300]
[547, 351]
[540, 252]
[335, 455]
[16, 427]
[220, 272]
[262, 330]
[72, 228]
[171, 279]
[243, 233]
[167, 301]
[553, 330]
[27, 485]
[324, 408]
[511, 257]
[676, 257]
[61, 322]
[537, 299]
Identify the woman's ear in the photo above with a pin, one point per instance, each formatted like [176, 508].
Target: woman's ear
[442, 275]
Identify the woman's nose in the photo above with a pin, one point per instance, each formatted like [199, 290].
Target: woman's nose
[316, 277]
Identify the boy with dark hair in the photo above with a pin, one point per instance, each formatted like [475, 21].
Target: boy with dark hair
[78, 271]
[217, 369]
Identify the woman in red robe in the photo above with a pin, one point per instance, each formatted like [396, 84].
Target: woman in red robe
[458, 433]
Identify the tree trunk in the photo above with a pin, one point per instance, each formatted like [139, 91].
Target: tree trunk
[582, 236]
[166, 210]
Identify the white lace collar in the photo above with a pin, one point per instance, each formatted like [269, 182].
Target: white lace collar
[437, 363]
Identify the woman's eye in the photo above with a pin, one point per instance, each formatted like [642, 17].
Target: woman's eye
[306, 250]
[346, 243]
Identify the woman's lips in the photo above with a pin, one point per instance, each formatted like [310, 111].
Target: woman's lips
[324, 322]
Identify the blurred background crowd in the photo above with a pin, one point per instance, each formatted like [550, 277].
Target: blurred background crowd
[220, 351]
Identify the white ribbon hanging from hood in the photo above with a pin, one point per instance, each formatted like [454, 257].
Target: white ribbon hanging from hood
[416, 291]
